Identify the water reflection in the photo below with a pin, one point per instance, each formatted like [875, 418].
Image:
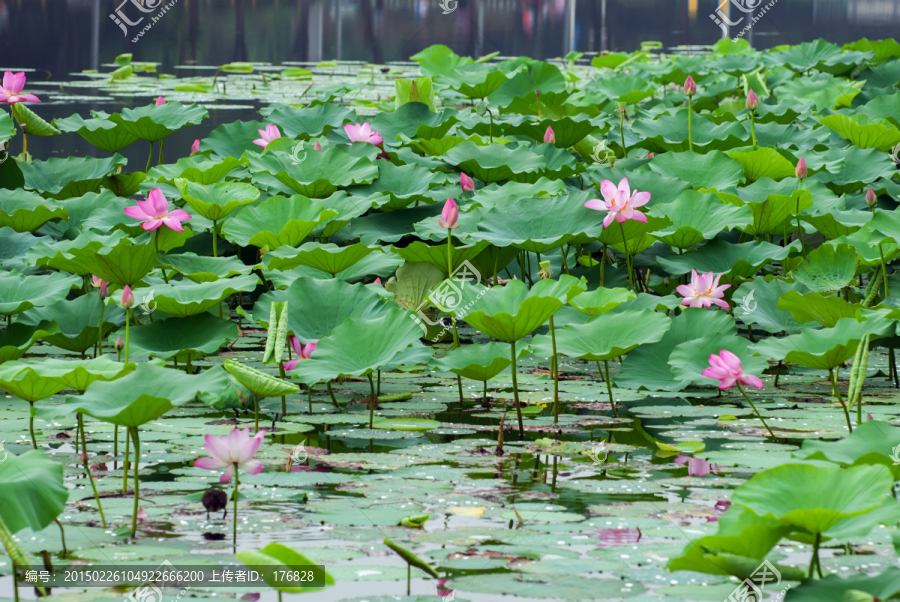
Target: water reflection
[64, 36]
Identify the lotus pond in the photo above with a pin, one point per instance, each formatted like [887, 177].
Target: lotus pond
[615, 326]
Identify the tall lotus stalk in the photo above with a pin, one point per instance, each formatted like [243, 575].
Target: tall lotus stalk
[448, 219]
[136, 439]
[801, 172]
[871, 201]
[87, 467]
[622, 108]
[103, 285]
[545, 274]
[690, 88]
[751, 104]
[232, 452]
[127, 303]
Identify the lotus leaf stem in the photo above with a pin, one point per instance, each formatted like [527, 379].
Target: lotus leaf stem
[31, 424]
[516, 393]
[87, 468]
[256, 411]
[237, 482]
[125, 464]
[371, 400]
[554, 368]
[150, 158]
[137, 482]
[612, 401]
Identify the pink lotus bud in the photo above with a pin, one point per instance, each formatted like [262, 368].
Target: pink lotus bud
[466, 183]
[537, 94]
[650, 155]
[752, 100]
[690, 88]
[120, 343]
[378, 281]
[318, 146]
[801, 170]
[104, 290]
[870, 197]
[160, 101]
[550, 135]
[195, 147]
[127, 297]
[449, 215]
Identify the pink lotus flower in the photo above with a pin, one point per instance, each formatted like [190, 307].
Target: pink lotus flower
[690, 88]
[318, 147]
[801, 170]
[752, 100]
[703, 291]
[619, 537]
[102, 284]
[195, 147]
[870, 198]
[619, 202]
[449, 215]
[267, 135]
[363, 133]
[697, 467]
[154, 212]
[550, 135]
[649, 155]
[466, 183]
[160, 101]
[142, 514]
[727, 368]
[127, 297]
[232, 451]
[11, 91]
[304, 352]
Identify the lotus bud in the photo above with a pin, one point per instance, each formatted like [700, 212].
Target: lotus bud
[801, 170]
[195, 147]
[318, 147]
[690, 88]
[466, 183]
[480, 108]
[160, 101]
[378, 281]
[120, 343]
[650, 155]
[127, 297]
[537, 94]
[104, 290]
[550, 135]
[752, 100]
[449, 215]
[870, 197]
[544, 271]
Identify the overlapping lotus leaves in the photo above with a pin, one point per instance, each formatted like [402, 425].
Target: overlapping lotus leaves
[478, 362]
[669, 132]
[853, 169]
[79, 374]
[773, 215]
[28, 382]
[259, 383]
[184, 299]
[57, 254]
[69, 177]
[834, 588]
[78, 321]
[419, 252]
[413, 283]
[414, 119]
[7, 127]
[359, 346]
[104, 134]
[25, 211]
[606, 336]
[317, 176]
[13, 248]
[326, 257]
[601, 300]
[280, 558]
[735, 261]
[277, 222]
[216, 201]
[813, 307]
[124, 263]
[862, 131]
[714, 169]
[19, 293]
[827, 268]
[569, 130]
[16, 339]
[153, 123]
[496, 162]
[404, 184]
[627, 90]
[348, 209]
[201, 268]
[32, 122]
[473, 81]
[823, 349]
[32, 491]
[232, 139]
[697, 217]
[819, 55]
[513, 311]
[141, 396]
[689, 359]
[183, 339]
[869, 443]
[196, 168]
[308, 122]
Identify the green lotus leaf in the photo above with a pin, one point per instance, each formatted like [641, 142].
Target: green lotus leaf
[495, 162]
[478, 362]
[280, 558]
[319, 175]
[815, 307]
[413, 283]
[232, 139]
[153, 123]
[606, 336]
[348, 208]
[883, 49]
[196, 168]
[419, 252]
[648, 366]
[260, 383]
[26, 211]
[183, 339]
[216, 201]
[770, 215]
[540, 225]
[636, 234]
[406, 424]
[763, 162]
[78, 374]
[883, 106]
[872, 442]
[411, 558]
[735, 261]
[697, 217]
[28, 382]
[19, 293]
[409, 90]
[277, 222]
[601, 300]
[854, 169]
[32, 122]
[473, 81]
[712, 170]
[78, 320]
[124, 263]
[811, 498]
[414, 119]
[569, 130]
[85, 210]
[886, 223]
[104, 134]
[69, 177]
[14, 246]
[759, 303]
[862, 131]
[513, 311]
[15, 340]
[183, 299]
[57, 255]
[854, 588]
[32, 491]
[690, 358]
[819, 55]
[670, 133]
[628, 90]
[404, 184]
[823, 349]
[325, 257]
[359, 346]
[308, 122]
[827, 268]
[7, 127]
[200, 268]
